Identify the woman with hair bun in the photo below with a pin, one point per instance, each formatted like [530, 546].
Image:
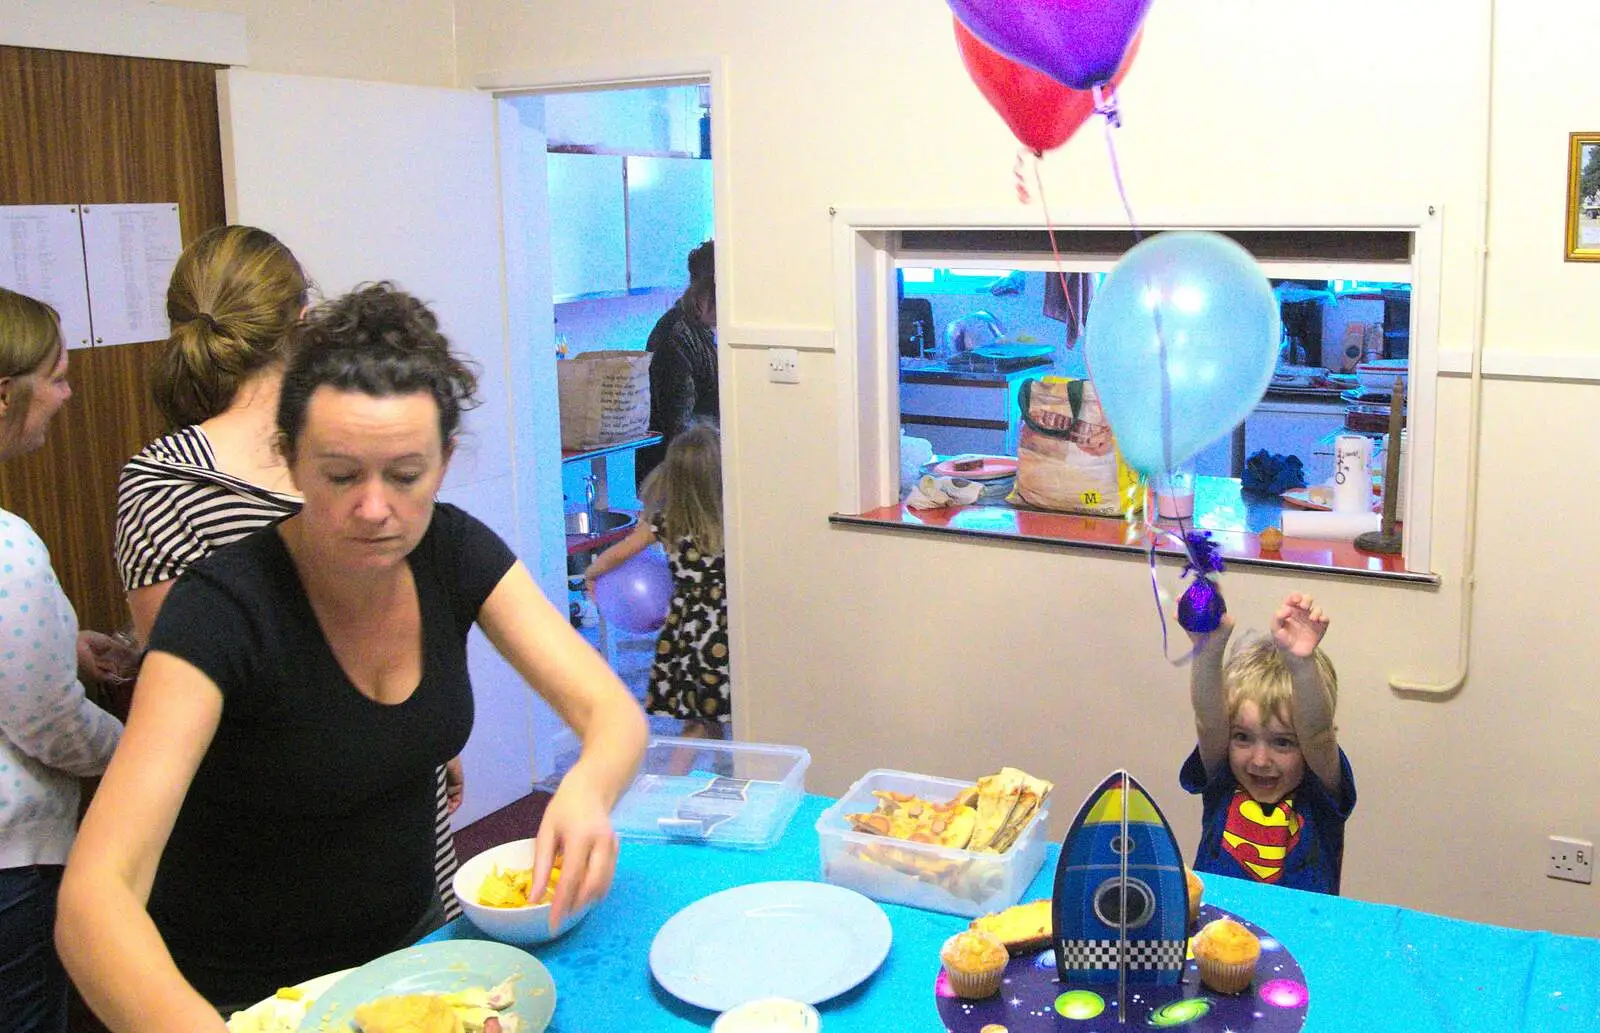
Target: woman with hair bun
[260, 822]
[235, 300]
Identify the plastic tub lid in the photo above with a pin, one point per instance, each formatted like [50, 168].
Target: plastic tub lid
[721, 793]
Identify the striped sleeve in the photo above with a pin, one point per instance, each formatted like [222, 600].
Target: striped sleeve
[173, 508]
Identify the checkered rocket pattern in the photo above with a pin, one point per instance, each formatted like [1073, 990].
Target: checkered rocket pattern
[1142, 954]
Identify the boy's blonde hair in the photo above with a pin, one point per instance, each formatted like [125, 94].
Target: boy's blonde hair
[1258, 671]
[684, 494]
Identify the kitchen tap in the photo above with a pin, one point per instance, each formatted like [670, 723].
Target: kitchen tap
[588, 502]
[988, 318]
[962, 335]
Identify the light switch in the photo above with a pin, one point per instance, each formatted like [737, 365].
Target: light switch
[783, 365]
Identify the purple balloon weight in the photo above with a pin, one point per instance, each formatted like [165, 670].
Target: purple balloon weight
[1078, 43]
[636, 595]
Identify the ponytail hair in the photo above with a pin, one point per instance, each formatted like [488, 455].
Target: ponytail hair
[235, 297]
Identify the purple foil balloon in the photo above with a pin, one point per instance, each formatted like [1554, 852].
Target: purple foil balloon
[1201, 608]
[1078, 43]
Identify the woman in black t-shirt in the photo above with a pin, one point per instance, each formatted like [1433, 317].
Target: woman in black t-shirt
[265, 818]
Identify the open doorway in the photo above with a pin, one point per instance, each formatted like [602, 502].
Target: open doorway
[627, 184]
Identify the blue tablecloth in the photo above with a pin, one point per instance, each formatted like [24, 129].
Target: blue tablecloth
[1369, 967]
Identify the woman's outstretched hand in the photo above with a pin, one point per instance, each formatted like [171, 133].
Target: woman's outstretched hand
[576, 827]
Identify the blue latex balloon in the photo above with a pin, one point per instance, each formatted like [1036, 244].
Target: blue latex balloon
[636, 595]
[1181, 342]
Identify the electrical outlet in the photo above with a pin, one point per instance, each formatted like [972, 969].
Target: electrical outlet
[783, 365]
[1570, 859]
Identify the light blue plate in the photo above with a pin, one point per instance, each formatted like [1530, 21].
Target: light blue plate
[808, 941]
[437, 968]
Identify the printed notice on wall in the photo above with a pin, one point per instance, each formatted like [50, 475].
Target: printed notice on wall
[130, 250]
[41, 255]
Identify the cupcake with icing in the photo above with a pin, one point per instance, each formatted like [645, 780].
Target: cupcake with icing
[1227, 953]
[974, 961]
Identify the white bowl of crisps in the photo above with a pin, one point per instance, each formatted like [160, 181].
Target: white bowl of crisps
[496, 894]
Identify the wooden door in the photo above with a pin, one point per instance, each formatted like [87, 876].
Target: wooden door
[87, 129]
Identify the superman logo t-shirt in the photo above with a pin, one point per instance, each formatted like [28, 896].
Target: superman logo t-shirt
[1298, 842]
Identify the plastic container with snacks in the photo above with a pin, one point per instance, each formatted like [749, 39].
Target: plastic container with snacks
[935, 878]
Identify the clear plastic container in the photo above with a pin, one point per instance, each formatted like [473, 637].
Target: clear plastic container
[956, 882]
[730, 794]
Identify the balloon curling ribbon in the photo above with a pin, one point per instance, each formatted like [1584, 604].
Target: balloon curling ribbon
[1201, 608]
[1022, 182]
[1050, 228]
[1105, 103]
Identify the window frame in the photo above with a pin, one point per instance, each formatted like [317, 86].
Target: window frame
[868, 250]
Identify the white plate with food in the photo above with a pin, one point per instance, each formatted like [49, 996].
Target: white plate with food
[284, 1010]
[489, 986]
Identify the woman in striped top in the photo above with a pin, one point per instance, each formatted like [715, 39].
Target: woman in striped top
[234, 300]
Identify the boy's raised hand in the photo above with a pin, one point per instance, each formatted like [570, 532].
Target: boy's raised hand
[1299, 625]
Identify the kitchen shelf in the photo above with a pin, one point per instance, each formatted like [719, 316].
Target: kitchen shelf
[582, 455]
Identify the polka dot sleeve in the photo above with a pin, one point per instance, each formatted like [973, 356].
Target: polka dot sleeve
[43, 712]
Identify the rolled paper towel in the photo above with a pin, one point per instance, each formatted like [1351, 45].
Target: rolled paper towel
[1331, 527]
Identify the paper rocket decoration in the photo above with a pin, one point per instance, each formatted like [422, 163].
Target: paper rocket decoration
[1121, 903]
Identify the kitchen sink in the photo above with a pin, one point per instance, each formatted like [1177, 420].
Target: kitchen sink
[605, 522]
[608, 526]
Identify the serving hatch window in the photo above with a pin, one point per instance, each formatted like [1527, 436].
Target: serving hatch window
[1002, 299]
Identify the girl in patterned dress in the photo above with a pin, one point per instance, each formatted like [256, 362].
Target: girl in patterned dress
[683, 511]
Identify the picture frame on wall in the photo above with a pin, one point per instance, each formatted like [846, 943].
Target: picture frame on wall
[1583, 198]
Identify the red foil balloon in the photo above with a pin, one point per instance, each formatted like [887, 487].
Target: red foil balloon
[1042, 113]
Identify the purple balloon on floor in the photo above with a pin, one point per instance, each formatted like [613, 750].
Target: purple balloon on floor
[636, 595]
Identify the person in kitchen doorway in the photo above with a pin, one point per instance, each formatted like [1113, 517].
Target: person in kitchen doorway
[683, 374]
[267, 817]
[234, 301]
[1277, 789]
[683, 511]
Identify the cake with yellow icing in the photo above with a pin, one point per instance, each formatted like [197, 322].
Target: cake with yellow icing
[1227, 953]
[1023, 928]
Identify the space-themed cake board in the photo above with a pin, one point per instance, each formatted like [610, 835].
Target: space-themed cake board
[1119, 955]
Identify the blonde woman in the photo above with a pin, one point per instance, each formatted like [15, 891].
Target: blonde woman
[50, 734]
[236, 297]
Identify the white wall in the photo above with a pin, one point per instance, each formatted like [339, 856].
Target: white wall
[864, 648]
[952, 657]
[409, 41]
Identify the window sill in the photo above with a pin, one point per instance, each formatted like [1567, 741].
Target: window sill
[1220, 507]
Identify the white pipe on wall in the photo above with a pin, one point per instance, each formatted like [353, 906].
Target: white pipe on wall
[1469, 547]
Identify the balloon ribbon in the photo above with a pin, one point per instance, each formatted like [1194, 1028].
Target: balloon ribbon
[1201, 608]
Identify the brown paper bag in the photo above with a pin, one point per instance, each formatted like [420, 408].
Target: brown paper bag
[604, 398]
